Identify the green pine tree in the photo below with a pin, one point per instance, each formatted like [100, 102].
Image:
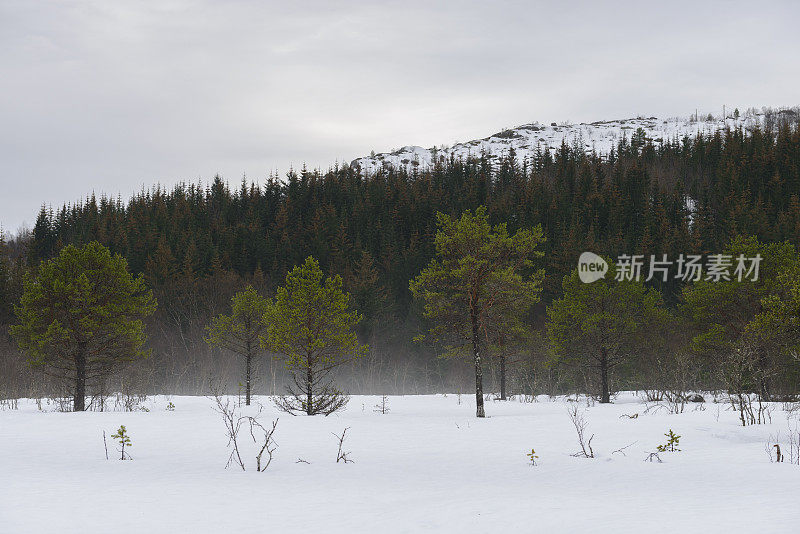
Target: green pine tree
[478, 270]
[310, 322]
[82, 315]
[602, 324]
[241, 331]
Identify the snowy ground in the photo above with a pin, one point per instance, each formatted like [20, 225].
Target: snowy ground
[426, 466]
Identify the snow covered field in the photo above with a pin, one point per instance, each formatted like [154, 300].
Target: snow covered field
[426, 466]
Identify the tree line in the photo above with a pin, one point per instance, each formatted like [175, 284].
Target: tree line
[196, 246]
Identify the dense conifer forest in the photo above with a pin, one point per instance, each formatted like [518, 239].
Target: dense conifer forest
[197, 244]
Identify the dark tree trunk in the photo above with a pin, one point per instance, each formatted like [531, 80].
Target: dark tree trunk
[247, 380]
[605, 396]
[79, 401]
[763, 383]
[248, 362]
[502, 376]
[309, 393]
[476, 351]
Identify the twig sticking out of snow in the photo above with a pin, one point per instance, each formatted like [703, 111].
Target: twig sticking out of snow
[233, 425]
[580, 423]
[269, 444]
[653, 457]
[342, 456]
[382, 407]
[621, 450]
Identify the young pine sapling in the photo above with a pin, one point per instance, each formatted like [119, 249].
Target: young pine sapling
[124, 441]
[673, 440]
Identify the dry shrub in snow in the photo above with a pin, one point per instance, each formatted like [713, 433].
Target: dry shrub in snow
[262, 436]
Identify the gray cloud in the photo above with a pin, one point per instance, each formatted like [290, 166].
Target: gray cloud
[112, 96]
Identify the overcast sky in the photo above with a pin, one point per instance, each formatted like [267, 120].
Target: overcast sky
[111, 97]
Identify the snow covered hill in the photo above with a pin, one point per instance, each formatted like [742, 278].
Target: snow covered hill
[598, 136]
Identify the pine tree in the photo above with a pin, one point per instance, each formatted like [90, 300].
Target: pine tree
[82, 315]
[477, 270]
[124, 439]
[600, 325]
[241, 331]
[311, 324]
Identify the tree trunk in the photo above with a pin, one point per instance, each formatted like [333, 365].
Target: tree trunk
[309, 393]
[478, 370]
[79, 401]
[502, 376]
[605, 396]
[272, 374]
[248, 360]
[763, 383]
[764, 390]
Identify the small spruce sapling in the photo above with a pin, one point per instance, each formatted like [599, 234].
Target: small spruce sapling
[124, 440]
[170, 407]
[673, 440]
[532, 456]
